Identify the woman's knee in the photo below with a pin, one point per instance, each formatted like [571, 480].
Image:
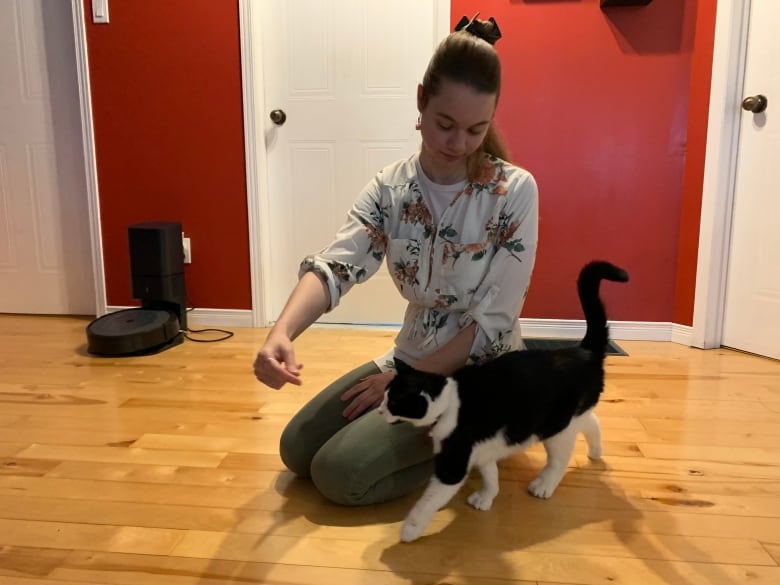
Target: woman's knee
[340, 477]
[344, 478]
[317, 422]
[293, 452]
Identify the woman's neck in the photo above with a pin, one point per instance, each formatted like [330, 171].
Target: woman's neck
[442, 174]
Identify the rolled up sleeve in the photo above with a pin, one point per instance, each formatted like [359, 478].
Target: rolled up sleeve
[357, 249]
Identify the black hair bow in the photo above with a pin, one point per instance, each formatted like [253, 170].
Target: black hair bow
[486, 30]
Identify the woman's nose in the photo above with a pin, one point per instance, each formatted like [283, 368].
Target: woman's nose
[456, 141]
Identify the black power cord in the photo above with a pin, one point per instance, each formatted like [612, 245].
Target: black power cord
[184, 332]
[227, 335]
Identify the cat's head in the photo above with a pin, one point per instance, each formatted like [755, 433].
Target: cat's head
[414, 396]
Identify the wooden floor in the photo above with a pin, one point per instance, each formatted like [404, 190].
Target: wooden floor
[164, 470]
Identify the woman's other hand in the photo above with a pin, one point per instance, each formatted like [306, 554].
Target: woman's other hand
[275, 363]
[366, 394]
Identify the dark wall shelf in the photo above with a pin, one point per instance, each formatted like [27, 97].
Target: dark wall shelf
[605, 3]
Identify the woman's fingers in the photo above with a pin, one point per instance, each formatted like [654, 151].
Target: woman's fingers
[355, 390]
[366, 394]
[368, 399]
[270, 372]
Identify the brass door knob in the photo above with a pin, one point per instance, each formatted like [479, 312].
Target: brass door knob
[755, 103]
[278, 117]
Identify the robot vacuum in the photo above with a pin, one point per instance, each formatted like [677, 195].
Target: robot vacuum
[157, 276]
[133, 332]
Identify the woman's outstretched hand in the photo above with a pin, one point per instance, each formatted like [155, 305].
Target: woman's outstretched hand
[275, 363]
[366, 394]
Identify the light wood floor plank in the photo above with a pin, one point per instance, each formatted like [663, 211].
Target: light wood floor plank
[123, 454]
[725, 426]
[773, 404]
[670, 483]
[761, 389]
[70, 535]
[258, 461]
[696, 410]
[62, 437]
[728, 471]
[9, 419]
[139, 425]
[10, 449]
[19, 580]
[172, 475]
[717, 454]
[773, 548]
[26, 466]
[119, 569]
[256, 444]
[19, 561]
[223, 497]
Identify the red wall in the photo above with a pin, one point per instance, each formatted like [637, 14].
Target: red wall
[595, 103]
[690, 213]
[166, 99]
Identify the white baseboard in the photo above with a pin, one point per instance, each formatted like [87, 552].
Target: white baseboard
[625, 330]
[212, 317]
[682, 334]
[574, 329]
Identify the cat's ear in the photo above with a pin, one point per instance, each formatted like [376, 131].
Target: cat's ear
[401, 366]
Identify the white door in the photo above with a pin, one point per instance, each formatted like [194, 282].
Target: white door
[752, 313]
[345, 73]
[45, 255]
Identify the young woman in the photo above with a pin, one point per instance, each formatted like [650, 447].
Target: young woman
[457, 224]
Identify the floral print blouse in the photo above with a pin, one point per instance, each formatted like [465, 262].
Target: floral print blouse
[475, 264]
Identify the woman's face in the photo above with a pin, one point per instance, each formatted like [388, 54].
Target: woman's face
[453, 124]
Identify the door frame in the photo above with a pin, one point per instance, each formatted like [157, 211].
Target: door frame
[90, 160]
[720, 168]
[250, 21]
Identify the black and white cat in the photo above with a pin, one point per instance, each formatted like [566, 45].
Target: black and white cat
[485, 412]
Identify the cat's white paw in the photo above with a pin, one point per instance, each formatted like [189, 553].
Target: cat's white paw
[543, 486]
[411, 530]
[481, 501]
[594, 452]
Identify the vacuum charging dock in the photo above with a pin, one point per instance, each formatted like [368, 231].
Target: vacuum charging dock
[157, 273]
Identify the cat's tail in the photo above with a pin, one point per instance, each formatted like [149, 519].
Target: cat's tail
[597, 333]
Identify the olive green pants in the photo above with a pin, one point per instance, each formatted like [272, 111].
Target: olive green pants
[359, 462]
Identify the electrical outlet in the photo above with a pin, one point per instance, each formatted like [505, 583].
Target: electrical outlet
[100, 11]
[187, 250]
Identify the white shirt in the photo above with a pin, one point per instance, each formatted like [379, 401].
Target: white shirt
[473, 264]
[437, 197]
